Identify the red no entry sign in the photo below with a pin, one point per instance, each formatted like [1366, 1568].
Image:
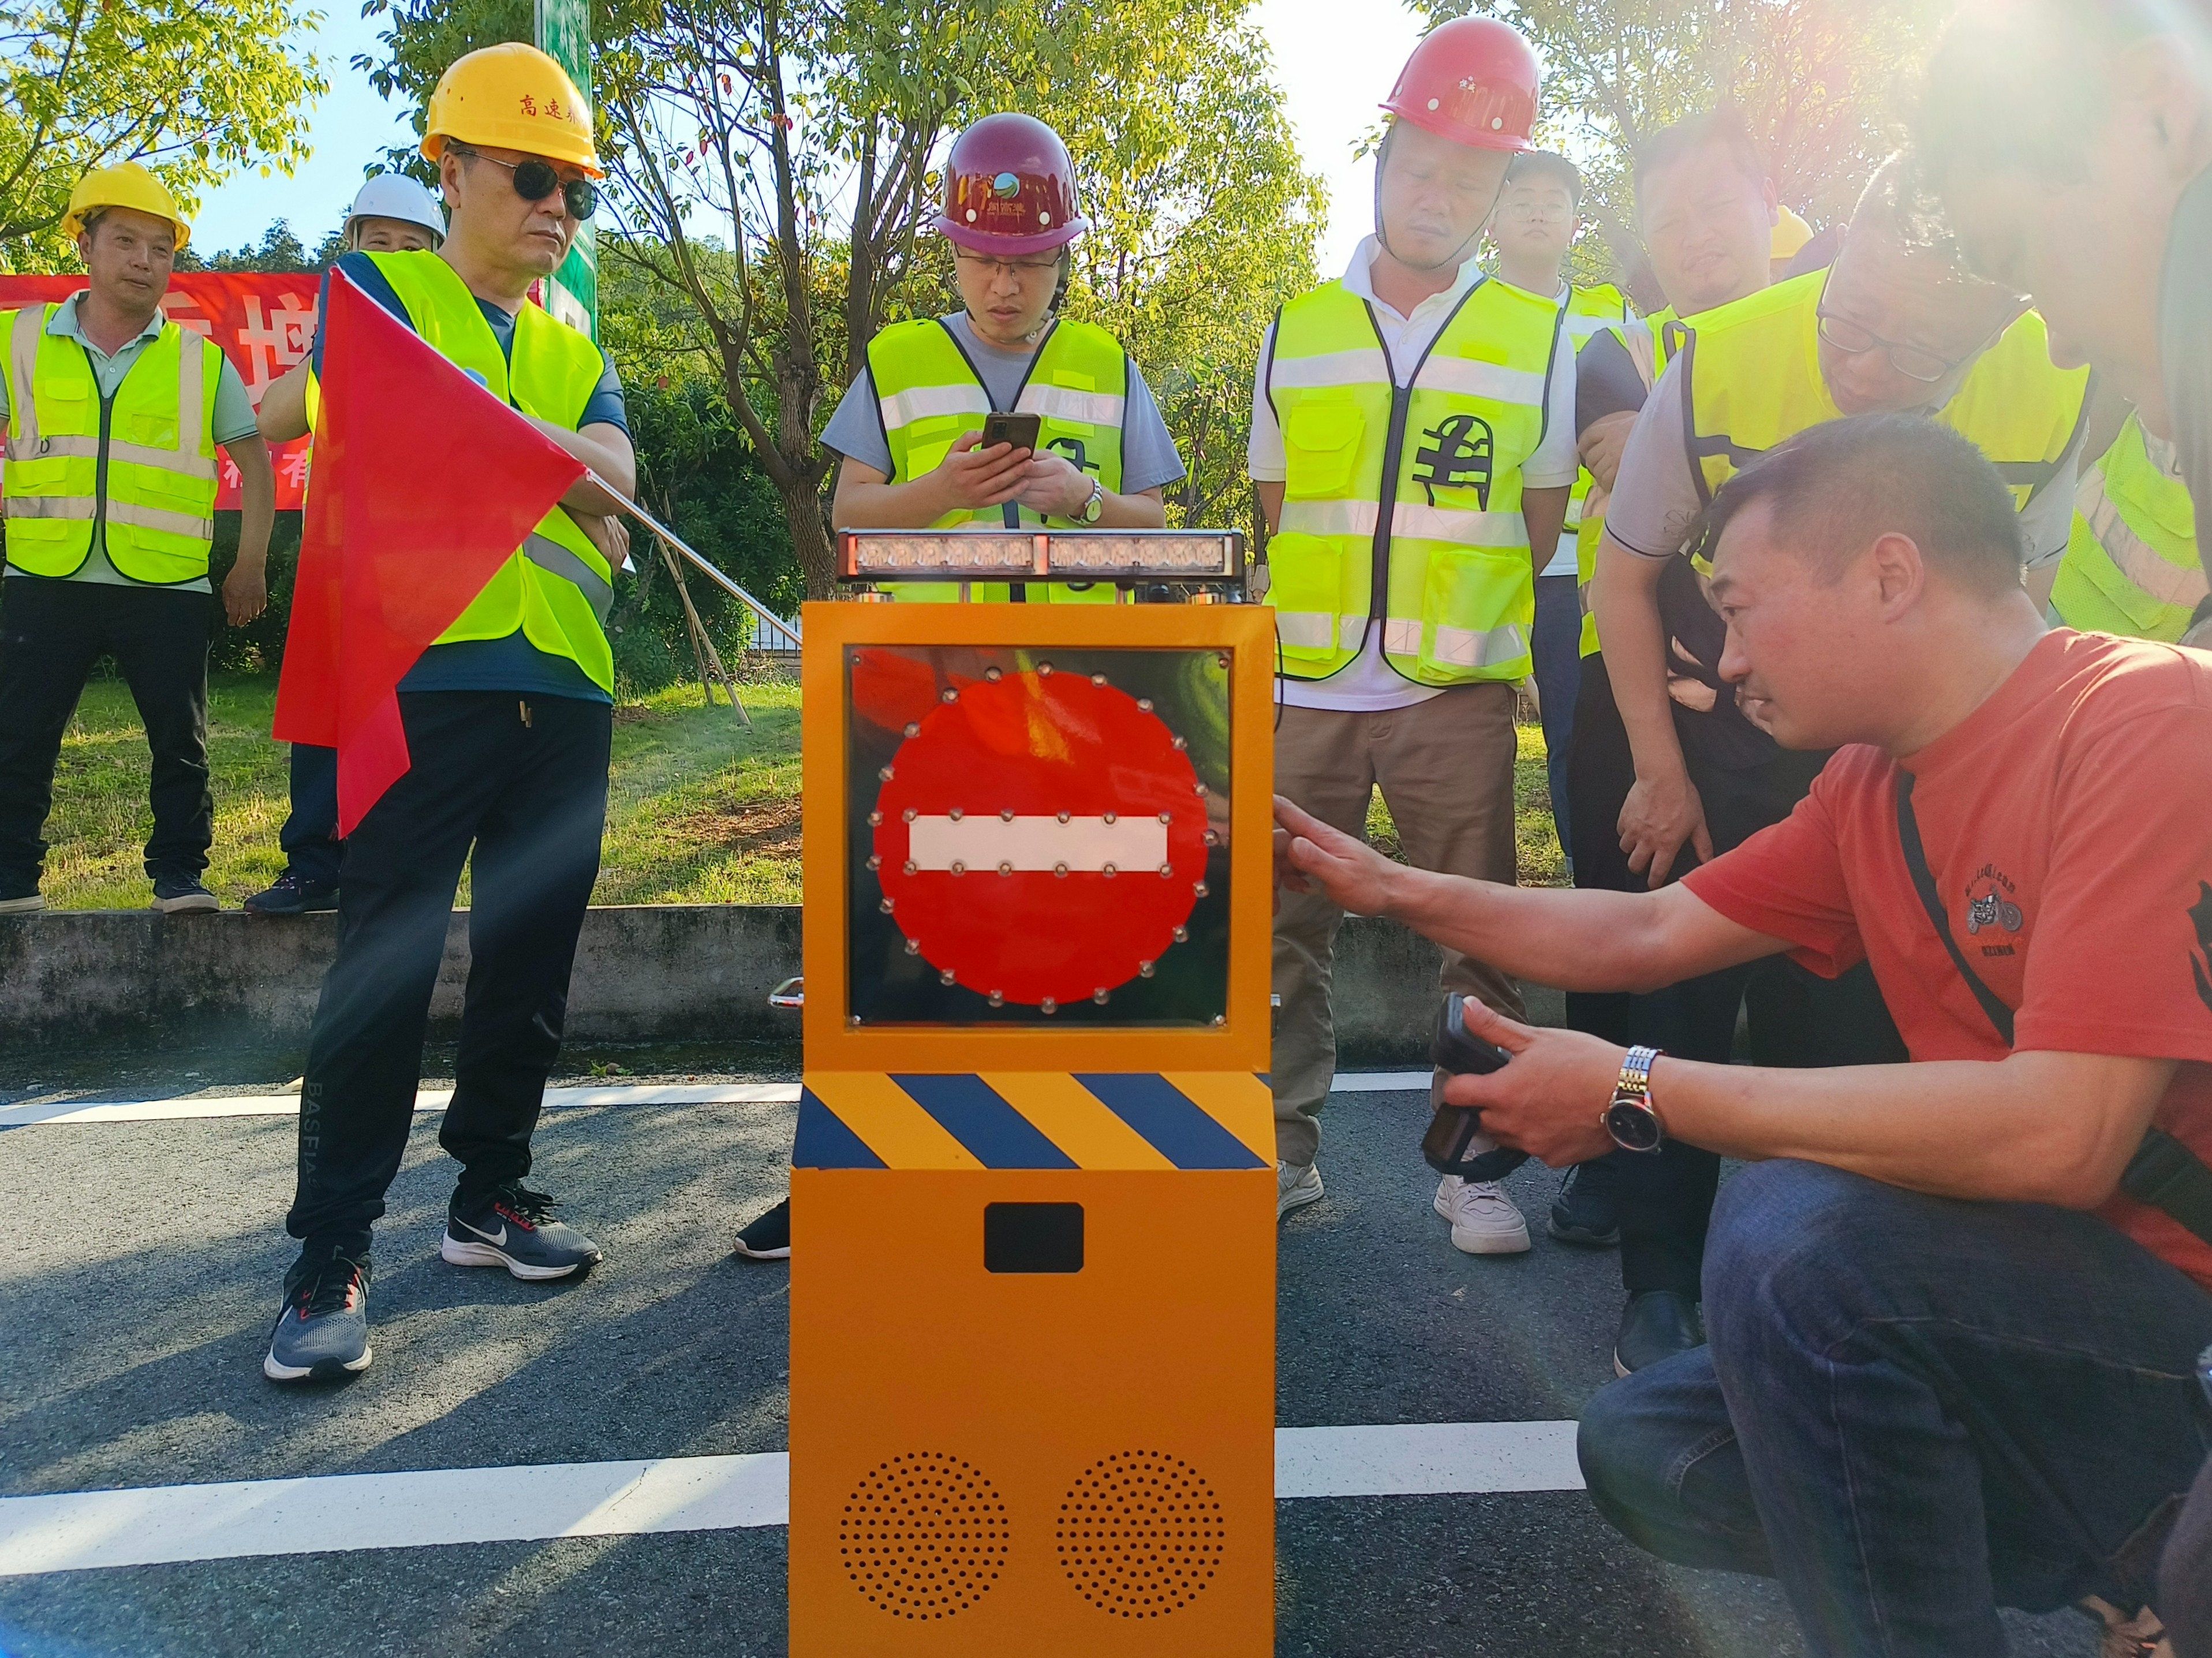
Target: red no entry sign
[1041, 837]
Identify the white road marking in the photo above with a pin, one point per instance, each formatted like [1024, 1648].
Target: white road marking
[436, 1099]
[155, 1525]
[430, 1099]
[978, 842]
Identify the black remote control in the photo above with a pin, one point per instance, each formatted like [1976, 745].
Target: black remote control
[1455, 1144]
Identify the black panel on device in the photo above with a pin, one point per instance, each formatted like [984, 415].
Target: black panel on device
[1455, 1144]
[1032, 1237]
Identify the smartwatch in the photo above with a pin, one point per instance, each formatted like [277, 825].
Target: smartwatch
[1628, 1116]
[1094, 508]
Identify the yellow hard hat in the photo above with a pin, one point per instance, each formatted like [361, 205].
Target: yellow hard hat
[511, 97]
[124, 185]
[1790, 234]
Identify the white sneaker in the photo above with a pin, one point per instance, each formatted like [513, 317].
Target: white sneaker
[1484, 1220]
[1297, 1187]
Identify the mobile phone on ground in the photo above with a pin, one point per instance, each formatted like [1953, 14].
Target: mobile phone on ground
[1020, 430]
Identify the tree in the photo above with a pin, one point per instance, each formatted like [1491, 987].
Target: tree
[191, 90]
[280, 249]
[1818, 80]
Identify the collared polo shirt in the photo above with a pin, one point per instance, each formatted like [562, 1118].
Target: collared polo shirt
[233, 419]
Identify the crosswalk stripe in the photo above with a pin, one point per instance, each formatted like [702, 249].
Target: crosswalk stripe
[159, 1525]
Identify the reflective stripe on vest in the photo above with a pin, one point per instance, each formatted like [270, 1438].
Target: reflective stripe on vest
[558, 588]
[1751, 378]
[1650, 345]
[2131, 562]
[1407, 500]
[153, 439]
[929, 395]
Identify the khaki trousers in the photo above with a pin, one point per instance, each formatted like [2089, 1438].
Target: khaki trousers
[1446, 770]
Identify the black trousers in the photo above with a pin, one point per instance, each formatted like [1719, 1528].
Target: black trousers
[310, 834]
[1794, 1017]
[523, 782]
[50, 635]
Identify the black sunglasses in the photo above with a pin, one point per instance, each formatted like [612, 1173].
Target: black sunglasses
[534, 180]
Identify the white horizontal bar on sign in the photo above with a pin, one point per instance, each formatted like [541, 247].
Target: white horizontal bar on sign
[152, 1525]
[980, 843]
[1424, 1459]
[145, 1526]
[430, 1099]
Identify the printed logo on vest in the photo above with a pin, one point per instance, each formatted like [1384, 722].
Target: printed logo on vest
[1459, 461]
[1072, 448]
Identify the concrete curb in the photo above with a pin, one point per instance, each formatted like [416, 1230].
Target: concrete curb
[646, 973]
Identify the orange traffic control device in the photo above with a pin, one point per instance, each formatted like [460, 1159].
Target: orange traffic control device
[1032, 1319]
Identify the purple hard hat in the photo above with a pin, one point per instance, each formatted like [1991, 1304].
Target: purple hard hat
[1010, 188]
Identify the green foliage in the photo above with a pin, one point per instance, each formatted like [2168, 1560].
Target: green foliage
[280, 249]
[1820, 83]
[191, 90]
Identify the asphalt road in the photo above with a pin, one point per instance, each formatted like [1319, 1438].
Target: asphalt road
[142, 1276]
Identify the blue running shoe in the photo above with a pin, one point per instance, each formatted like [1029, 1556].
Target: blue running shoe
[322, 1334]
[513, 1227]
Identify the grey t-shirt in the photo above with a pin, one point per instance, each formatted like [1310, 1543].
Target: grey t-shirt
[1148, 451]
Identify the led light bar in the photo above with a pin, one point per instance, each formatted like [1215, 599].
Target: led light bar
[1184, 556]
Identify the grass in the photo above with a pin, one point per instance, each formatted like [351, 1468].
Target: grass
[699, 809]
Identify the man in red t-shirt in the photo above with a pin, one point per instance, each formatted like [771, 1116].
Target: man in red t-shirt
[1951, 1361]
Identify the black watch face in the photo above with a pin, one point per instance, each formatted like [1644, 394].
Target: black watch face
[1632, 1126]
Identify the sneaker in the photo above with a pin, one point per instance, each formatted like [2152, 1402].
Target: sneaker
[290, 895]
[1656, 1324]
[22, 903]
[322, 1334]
[1484, 1220]
[1588, 1209]
[1296, 1185]
[178, 896]
[768, 1238]
[514, 1228]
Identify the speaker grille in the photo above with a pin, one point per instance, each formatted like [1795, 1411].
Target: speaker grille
[1141, 1535]
[924, 1535]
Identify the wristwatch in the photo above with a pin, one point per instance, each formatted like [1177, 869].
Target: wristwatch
[1094, 508]
[1628, 1116]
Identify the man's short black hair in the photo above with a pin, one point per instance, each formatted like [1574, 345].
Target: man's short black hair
[1671, 145]
[1837, 487]
[2019, 87]
[1533, 165]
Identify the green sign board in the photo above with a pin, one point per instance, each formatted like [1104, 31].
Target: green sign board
[564, 34]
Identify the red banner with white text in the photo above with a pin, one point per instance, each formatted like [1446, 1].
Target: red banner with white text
[265, 322]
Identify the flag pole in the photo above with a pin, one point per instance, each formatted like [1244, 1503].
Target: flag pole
[691, 554]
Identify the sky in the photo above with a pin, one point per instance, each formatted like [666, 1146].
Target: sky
[1333, 78]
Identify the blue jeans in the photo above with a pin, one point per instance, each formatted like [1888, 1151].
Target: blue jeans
[1913, 1409]
[1556, 643]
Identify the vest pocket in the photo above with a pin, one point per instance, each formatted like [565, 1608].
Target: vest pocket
[1476, 609]
[148, 427]
[1306, 588]
[1320, 442]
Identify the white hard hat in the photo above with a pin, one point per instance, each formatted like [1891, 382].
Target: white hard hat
[396, 196]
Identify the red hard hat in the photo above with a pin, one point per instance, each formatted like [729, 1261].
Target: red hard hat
[1473, 80]
[1010, 188]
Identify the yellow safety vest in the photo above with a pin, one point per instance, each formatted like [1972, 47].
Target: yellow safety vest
[929, 396]
[155, 441]
[2131, 565]
[1751, 378]
[1651, 348]
[1403, 505]
[557, 588]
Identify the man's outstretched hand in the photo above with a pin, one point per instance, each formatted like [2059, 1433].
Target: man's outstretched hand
[1310, 855]
[1549, 1098]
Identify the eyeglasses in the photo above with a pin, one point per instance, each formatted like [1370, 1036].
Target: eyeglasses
[1018, 268]
[534, 180]
[1910, 361]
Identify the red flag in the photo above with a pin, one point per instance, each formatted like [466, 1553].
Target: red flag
[425, 483]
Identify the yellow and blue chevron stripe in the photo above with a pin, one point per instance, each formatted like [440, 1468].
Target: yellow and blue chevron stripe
[1035, 1119]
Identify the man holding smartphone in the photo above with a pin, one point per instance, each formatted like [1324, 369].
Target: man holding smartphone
[1095, 451]
[1002, 413]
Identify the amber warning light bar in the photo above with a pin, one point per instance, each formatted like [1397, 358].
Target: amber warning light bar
[1208, 557]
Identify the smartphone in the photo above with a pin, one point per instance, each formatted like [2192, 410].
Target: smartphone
[1020, 430]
